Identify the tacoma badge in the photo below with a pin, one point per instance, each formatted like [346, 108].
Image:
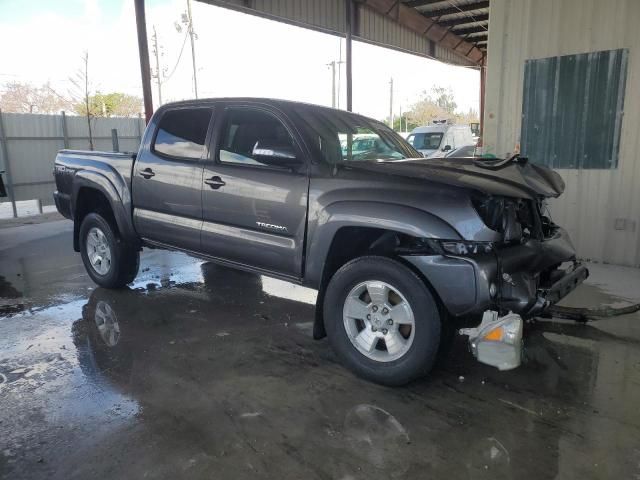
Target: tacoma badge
[271, 226]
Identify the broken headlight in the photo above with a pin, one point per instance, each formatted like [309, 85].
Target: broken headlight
[431, 246]
[463, 247]
[501, 214]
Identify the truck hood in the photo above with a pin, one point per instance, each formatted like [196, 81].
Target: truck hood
[513, 177]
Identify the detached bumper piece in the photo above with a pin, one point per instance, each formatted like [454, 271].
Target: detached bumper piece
[567, 283]
[497, 341]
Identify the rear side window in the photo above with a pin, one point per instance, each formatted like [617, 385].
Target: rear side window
[182, 133]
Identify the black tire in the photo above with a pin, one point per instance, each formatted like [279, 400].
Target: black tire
[125, 259]
[421, 355]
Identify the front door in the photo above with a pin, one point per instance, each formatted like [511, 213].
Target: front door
[255, 189]
[167, 179]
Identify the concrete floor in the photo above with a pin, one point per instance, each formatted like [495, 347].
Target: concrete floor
[202, 372]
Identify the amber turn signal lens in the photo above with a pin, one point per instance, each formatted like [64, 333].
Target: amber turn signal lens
[495, 334]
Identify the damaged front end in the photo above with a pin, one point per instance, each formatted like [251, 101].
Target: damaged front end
[505, 282]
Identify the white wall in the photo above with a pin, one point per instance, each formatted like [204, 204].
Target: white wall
[594, 199]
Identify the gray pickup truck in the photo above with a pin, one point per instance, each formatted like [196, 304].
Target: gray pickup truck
[401, 249]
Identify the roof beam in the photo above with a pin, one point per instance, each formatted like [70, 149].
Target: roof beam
[475, 38]
[426, 27]
[464, 21]
[422, 3]
[452, 10]
[469, 30]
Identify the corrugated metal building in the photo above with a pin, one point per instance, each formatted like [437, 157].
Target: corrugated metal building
[563, 84]
[432, 28]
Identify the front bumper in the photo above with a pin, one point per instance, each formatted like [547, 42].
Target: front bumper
[524, 279]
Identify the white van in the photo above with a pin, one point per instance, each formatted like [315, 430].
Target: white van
[437, 140]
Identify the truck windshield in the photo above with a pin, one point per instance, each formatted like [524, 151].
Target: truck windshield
[344, 136]
[425, 140]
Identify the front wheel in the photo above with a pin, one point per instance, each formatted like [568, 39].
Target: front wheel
[382, 320]
[109, 261]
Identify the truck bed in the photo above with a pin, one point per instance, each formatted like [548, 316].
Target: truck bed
[111, 168]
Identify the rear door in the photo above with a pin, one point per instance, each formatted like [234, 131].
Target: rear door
[255, 208]
[167, 179]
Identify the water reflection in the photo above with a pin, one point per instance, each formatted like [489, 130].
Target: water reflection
[164, 347]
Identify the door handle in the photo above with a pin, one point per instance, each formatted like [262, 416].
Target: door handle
[215, 182]
[147, 173]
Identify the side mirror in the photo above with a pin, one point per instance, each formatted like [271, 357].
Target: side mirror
[446, 148]
[275, 155]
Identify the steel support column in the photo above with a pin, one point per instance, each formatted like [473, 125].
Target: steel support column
[143, 50]
[483, 77]
[348, 33]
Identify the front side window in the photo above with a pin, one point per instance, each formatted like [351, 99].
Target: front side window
[343, 136]
[425, 141]
[182, 133]
[255, 137]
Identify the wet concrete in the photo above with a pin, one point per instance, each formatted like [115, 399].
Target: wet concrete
[198, 371]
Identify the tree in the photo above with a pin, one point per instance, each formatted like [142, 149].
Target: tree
[21, 97]
[443, 98]
[405, 126]
[82, 93]
[114, 104]
[471, 116]
[438, 104]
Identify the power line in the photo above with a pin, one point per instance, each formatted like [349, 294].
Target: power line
[184, 42]
[193, 48]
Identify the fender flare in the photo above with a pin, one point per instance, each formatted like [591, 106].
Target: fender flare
[387, 216]
[119, 199]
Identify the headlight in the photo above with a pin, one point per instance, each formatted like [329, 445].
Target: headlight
[430, 246]
[462, 247]
[499, 214]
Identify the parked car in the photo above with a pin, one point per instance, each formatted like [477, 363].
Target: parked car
[366, 145]
[434, 141]
[401, 249]
[468, 151]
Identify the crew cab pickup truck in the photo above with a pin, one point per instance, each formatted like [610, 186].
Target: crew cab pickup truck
[401, 249]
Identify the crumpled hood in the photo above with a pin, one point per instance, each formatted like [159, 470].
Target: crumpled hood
[511, 178]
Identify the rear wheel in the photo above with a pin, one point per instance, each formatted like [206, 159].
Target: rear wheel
[382, 320]
[109, 261]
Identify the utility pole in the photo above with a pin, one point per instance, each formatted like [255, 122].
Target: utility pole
[143, 50]
[156, 49]
[340, 62]
[332, 66]
[193, 47]
[391, 103]
[335, 99]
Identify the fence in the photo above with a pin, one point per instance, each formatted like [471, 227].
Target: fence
[29, 143]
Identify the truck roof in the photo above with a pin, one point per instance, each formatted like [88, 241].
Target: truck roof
[266, 100]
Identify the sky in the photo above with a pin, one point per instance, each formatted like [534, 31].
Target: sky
[236, 55]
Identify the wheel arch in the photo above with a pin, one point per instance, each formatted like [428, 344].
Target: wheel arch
[374, 231]
[94, 193]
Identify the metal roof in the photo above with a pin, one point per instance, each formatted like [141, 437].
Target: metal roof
[469, 19]
[453, 31]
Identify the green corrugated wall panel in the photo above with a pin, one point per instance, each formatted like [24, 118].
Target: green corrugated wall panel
[572, 109]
